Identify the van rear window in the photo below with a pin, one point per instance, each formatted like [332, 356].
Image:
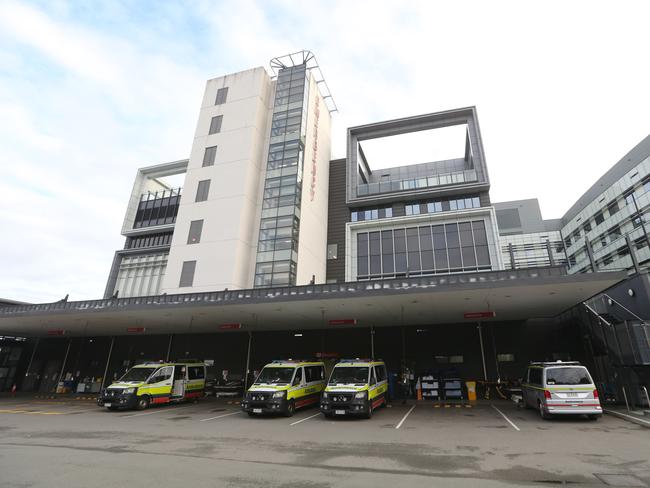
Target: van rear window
[567, 376]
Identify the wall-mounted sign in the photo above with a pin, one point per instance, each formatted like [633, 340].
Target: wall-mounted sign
[56, 332]
[136, 330]
[233, 326]
[488, 314]
[342, 322]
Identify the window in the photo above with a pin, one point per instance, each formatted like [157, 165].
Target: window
[222, 94]
[314, 373]
[535, 376]
[202, 191]
[505, 358]
[187, 274]
[599, 218]
[456, 359]
[297, 379]
[215, 124]
[586, 226]
[332, 251]
[629, 198]
[196, 373]
[209, 156]
[380, 371]
[194, 237]
[612, 208]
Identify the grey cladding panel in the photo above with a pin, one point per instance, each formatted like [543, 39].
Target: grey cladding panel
[508, 218]
[338, 214]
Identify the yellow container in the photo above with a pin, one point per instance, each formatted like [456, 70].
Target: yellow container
[471, 390]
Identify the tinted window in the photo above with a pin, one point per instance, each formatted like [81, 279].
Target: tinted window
[202, 191]
[187, 274]
[535, 376]
[314, 373]
[137, 374]
[215, 124]
[209, 155]
[380, 371]
[567, 376]
[196, 373]
[222, 94]
[275, 375]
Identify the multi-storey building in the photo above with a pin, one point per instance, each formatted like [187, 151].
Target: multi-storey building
[259, 245]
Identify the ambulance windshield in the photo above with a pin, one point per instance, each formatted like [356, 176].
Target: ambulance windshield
[137, 374]
[349, 375]
[275, 375]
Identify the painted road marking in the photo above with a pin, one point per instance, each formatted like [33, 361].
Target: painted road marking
[404, 418]
[96, 409]
[29, 412]
[162, 410]
[302, 420]
[220, 416]
[507, 419]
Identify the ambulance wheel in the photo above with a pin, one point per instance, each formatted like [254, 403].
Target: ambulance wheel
[369, 414]
[142, 403]
[291, 409]
[542, 411]
[112, 409]
[593, 417]
[250, 414]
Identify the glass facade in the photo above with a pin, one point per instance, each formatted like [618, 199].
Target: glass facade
[455, 178]
[157, 208]
[434, 206]
[362, 214]
[277, 250]
[617, 212]
[426, 249]
[532, 250]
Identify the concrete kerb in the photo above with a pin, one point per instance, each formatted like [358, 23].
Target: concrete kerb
[635, 417]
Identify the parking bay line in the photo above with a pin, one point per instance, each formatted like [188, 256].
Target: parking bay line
[404, 418]
[220, 416]
[507, 419]
[154, 412]
[306, 418]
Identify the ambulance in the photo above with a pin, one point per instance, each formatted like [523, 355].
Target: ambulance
[284, 386]
[356, 387]
[153, 383]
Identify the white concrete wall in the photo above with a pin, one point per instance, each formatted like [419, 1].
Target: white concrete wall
[230, 220]
[312, 239]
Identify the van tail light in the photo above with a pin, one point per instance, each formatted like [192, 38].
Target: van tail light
[596, 394]
[547, 394]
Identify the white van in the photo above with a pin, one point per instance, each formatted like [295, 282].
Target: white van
[559, 388]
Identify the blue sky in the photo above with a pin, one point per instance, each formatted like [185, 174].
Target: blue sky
[90, 91]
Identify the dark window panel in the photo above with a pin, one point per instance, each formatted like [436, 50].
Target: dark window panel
[187, 274]
[215, 124]
[209, 156]
[222, 95]
[202, 191]
[194, 236]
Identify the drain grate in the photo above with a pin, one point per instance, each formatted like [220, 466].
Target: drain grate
[616, 479]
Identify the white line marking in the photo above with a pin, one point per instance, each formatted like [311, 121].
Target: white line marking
[612, 412]
[221, 416]
[404, 418]
[162, 410]
[307, 418]
[507, 419]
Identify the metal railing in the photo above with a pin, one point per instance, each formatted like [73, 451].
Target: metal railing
[291, 292]
[454, 178]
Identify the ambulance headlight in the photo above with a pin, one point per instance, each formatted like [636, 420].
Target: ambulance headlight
[361, 394]
[128, 391]
[324, 394]
[279, 394]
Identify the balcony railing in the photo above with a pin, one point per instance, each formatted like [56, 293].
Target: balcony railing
[455, 178]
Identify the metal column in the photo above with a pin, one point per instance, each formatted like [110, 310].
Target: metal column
[169, 347]
[480, 338]
[65, 360]
[549, 249]
[108, 361]
[635, 261]
[31, 359]
[248, 360]
[372, 342]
